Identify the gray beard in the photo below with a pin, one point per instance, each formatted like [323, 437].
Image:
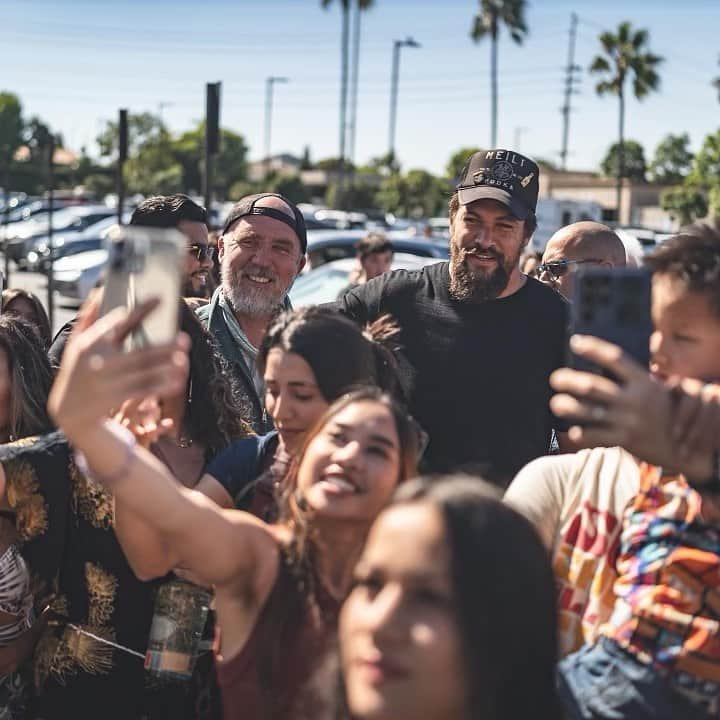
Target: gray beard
[470, 287]
[253, 302]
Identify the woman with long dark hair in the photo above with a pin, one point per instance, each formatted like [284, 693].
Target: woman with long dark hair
[278, 590]
[27, 305]
[452, 615]
[89, 659]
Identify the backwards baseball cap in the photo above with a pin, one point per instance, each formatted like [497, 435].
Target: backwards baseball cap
[248, 206]
[502, 175]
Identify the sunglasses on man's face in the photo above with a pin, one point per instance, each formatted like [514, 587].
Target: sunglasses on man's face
[201, 251]
[560, 268]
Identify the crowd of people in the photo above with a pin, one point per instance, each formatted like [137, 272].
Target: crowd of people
[403, 505]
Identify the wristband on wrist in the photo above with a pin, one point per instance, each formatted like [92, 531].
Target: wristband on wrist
[129, 442]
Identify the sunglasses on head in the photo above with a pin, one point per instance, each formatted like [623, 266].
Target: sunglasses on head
[202, 251]
[559, 268]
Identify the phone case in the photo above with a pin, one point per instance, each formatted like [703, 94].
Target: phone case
[144, 263]
[613, 304]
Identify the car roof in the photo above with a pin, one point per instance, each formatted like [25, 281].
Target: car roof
[322, 238]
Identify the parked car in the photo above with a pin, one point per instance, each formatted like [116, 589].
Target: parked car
[328, 245]
[91, 237]
[21, 236]
[324, 284]
[76, 275]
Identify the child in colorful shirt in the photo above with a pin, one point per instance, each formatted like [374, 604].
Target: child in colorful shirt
[659, 654]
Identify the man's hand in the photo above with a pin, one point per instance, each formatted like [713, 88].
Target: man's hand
[676, 427]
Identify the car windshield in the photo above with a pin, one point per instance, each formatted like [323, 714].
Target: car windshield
[319, 286]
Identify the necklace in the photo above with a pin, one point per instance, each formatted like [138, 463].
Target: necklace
[184, 441]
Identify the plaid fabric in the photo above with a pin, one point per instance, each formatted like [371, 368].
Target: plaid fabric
[667, 612]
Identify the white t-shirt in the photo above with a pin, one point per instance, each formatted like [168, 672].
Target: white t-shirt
[577, 503]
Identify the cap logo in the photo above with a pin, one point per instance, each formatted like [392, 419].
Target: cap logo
[526, 180]
[502, 170]
[478, 177]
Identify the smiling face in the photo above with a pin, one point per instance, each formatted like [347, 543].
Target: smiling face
[686, 340]
[401, 651]
[197, 272]
[292, 397]
[260, 257]
[351, 466]
[486, 242]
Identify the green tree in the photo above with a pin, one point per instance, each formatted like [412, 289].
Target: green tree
[672, 160]
[706, 168]
[153, 169]
[493, 14]
[418, 193]
[229, 167]
[625, 57]
[633, 162]
[716, 83]
[457, 161]
[11, 134]
[684, 204]
[142, 127]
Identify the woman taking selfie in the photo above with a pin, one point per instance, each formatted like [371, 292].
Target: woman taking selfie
[439, 625]
[278, 592]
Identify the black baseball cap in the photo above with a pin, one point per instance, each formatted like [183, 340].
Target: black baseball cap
[248, 206]
[502, 175]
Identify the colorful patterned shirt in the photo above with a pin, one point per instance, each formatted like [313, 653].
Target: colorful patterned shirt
[667, 613]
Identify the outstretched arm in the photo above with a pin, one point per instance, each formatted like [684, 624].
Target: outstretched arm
[95, 376]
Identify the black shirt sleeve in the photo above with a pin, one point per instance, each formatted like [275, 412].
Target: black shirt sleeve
[57, 348]
[240, 464]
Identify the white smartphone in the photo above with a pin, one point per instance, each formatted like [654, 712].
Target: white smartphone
[145, 263]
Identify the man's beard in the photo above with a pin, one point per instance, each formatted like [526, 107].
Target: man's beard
[467, 285]
[247, 298]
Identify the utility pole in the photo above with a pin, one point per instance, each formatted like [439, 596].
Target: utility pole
[51, 268]
[570, 79]
[122, 157]
[342, 153]
[394, 78]
[212, 138]
[269, 85]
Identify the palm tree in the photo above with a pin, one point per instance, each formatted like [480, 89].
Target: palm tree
[345, 6]
[625, 56]
[488, 21]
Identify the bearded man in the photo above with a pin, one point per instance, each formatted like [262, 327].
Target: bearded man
[481, 338]
[261, 252]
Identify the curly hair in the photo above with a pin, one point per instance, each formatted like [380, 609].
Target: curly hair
[214, 416]
[30, 378]
[693, 258]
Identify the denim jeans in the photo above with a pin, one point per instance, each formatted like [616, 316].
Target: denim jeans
[603, 682]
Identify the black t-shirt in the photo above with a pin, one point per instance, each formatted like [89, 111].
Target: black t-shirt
[481, 387]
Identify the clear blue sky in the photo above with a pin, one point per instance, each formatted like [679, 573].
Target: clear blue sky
[74, 62]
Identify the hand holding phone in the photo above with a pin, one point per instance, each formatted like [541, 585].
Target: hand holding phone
[612, 304]
[145, 263]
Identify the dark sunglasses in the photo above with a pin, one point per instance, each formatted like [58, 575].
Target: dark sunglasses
[202, 251]
[558, 269]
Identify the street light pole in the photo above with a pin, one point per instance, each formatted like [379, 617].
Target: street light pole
[394, 77]
[269, 85]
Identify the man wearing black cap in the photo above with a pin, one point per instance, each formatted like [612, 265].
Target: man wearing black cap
[481, 337]
[261, 251]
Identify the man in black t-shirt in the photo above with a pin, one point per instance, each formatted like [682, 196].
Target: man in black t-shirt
[481, 337]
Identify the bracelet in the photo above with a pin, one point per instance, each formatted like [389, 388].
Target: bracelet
[129, 442]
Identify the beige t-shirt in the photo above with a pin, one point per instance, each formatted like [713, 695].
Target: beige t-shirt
[577, 503]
